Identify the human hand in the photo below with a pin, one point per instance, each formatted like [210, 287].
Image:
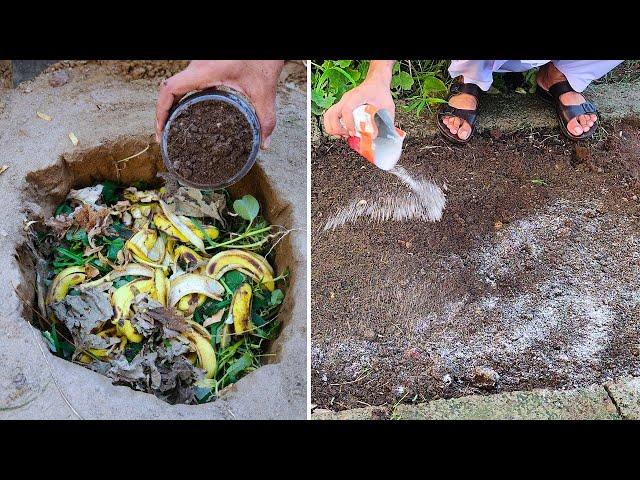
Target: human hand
[257, 79]
[374, 90]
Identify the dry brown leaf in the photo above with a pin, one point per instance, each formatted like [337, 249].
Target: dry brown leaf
[90, 251]
[215, 318]
[3, 168]
[59, 224]
[44, 116]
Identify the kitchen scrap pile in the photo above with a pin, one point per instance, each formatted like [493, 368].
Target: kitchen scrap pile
[170, 293]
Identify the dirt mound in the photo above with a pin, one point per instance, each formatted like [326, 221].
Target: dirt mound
[127, 69]
[531, 275]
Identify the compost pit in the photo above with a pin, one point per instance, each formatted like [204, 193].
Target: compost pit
[128, 160]
[209, 142]
[529, 280]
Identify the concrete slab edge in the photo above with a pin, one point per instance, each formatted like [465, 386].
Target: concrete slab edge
[614, 400]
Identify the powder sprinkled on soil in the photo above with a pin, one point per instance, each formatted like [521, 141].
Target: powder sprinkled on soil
[536, 282]
[425, 202]
[209, 142]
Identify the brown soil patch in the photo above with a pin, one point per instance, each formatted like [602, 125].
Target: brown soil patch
[521, 285]
[5, 74]
[127, 69]
[209, 142]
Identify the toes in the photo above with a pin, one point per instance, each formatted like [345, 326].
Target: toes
[592, 119]
[454, 125]
[464, 131]
[574, 127]
[583, 120]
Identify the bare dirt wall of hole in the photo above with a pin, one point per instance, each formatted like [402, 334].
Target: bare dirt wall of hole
[100, 108]
[538, 283]
[83, 168]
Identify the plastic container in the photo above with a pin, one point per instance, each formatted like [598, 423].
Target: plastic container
[222, 94]
[376, 139]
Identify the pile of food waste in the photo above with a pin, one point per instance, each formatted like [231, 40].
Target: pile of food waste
[170, 293]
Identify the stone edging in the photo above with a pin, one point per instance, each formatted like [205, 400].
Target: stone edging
[611, 401]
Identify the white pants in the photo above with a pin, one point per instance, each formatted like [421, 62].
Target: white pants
[579, 73]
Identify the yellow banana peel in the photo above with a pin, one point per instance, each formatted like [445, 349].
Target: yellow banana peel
[249, 263]
[121, 299]
[204, 350]
[189, 303]
[193, 283]
[186, 258]
[241, 309]
[63, 281]
[181, 227]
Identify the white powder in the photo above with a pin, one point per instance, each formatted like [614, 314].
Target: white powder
[425, 202]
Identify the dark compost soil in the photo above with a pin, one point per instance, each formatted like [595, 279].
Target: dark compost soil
[521, 285]
[209, 142]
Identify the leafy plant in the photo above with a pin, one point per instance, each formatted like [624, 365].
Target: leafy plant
[418, 82]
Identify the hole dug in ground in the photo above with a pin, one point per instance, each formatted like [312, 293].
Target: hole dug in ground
[128, 160]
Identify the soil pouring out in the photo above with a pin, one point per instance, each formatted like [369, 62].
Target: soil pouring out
[167, 289]
[209, 142]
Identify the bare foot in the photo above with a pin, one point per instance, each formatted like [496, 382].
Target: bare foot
[458, 126]
[550, 75]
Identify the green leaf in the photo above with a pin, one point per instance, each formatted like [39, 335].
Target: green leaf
[117, 283]
[247, 207]
[538, 182]
[402, 80]
[431, 84]
[202, 394]
[233, 279]
[343, 63]
[80, 235]
[114, 247]
[131, 350]
[63, 209]
[206, 236]
[239, 365]
[67, 349]
[50, 341]
[109, 192]
[122, 230]
[276, 297]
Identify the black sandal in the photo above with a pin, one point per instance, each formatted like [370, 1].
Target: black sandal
[566, 112]
[469, 115]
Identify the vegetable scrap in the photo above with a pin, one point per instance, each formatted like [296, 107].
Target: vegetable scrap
[170, 293]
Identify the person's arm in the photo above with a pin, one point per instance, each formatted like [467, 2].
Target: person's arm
[374, 90]
[257, 79]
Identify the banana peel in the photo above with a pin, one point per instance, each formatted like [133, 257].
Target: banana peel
[204, 350]
[63, 281]
[131, 269]
[161, 287]
[189, 303]
[210, 230]
[193, 283]
[186, 258]
[121, 299]
[181, 227]
[163, 224]
[241, 309]
[249, 263]
[141, 242]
